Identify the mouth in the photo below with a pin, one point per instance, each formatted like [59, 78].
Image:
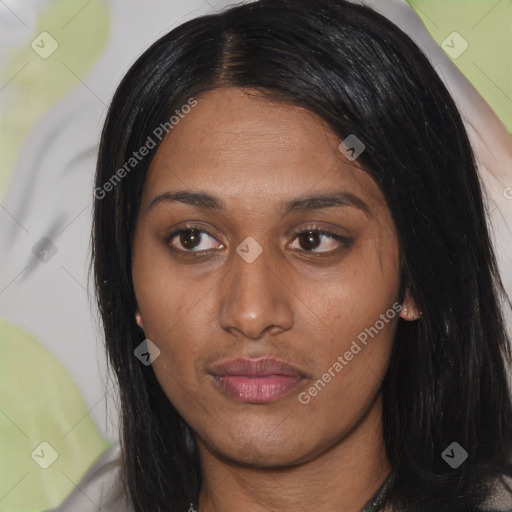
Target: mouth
[256, 380]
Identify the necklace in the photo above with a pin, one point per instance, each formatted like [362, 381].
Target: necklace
[372, 505]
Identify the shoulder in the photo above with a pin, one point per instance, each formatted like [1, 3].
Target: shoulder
[501, 497]
[100, 488]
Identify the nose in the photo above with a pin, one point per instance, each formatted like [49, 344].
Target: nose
[255, 298]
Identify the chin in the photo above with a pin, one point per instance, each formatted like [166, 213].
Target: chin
[253, 456]
[264, 453]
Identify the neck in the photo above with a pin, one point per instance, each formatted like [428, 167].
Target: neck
[343, 478]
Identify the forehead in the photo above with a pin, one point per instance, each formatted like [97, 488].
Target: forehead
[237, 144]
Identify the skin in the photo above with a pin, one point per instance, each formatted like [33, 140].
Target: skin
[254, 154]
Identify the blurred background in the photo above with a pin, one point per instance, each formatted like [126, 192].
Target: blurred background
[60, 61]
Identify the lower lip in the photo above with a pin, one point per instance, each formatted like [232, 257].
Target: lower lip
[257, 389]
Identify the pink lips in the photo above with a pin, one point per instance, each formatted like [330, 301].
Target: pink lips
[256, 380]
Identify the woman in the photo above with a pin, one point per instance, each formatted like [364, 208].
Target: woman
[300, 298]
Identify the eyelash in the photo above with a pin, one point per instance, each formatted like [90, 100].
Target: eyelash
[344, 241]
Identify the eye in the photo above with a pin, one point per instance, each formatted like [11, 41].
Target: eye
[191, 239]
[310, 239]
[194, 240]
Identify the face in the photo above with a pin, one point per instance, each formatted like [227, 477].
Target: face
[272, 310]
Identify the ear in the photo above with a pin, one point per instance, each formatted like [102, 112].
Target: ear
[138, 319]
[409, 309]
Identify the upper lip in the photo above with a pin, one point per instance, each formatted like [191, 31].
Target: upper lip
[261, 367]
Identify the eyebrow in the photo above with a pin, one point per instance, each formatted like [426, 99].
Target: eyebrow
[206, 201]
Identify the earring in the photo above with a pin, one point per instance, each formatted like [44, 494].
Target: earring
[406, 310]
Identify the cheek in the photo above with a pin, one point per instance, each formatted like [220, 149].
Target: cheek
[163, 295]
[353, 297]
[161, 300]
[358, 313]
[352, 369]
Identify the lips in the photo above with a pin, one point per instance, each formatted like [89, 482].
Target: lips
[256, 380]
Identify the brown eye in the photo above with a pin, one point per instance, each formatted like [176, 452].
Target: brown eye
[309, 240]
[191, 239]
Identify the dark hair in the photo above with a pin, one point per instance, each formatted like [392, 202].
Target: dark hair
[356, 70]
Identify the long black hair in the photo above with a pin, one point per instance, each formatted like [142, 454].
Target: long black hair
[447, 377]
